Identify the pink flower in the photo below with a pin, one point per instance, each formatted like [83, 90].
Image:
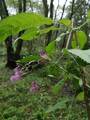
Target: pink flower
[44, 55]
[15, 77]
[17, 74]
[34, 87]
[17, 70]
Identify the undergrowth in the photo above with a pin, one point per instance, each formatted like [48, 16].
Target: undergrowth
[18, 103]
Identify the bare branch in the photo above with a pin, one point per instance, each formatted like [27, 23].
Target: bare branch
[63, 9]
[56, 10]
[68, 45]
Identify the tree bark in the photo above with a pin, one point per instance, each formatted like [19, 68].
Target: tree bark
[8, 42]
[63, 9]
[22, 8]
[11, 63]
[72, 9]
[51, 9]
[51, 16]
[85, 89]
[45, 6]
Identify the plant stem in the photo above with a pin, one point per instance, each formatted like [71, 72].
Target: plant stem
[85, 88]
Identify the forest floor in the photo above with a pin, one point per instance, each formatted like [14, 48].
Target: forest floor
[17, 102]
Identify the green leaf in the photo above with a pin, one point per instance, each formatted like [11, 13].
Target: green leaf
[51, 48]
[88, 14]
[23, 21]
[79, 39]
[35, 32]
[80, 96]
[80, 82]
[83, 54]
[56, 88]
[66, 22]
[5, 31]
[58, 106]
[29, 59]
[30, 34]
[46, 30]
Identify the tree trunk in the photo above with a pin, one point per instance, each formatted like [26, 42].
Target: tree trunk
[8, 42]
[22, 8]
[51, 9]
[86, 92]
[45, 6]
[51, 16]
[11, 63]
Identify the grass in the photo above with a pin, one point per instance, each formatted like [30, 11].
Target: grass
[18, 103]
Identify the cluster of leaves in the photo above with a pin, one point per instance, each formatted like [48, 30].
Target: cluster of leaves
[31, 23]
[25, 21]
[17, 102]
